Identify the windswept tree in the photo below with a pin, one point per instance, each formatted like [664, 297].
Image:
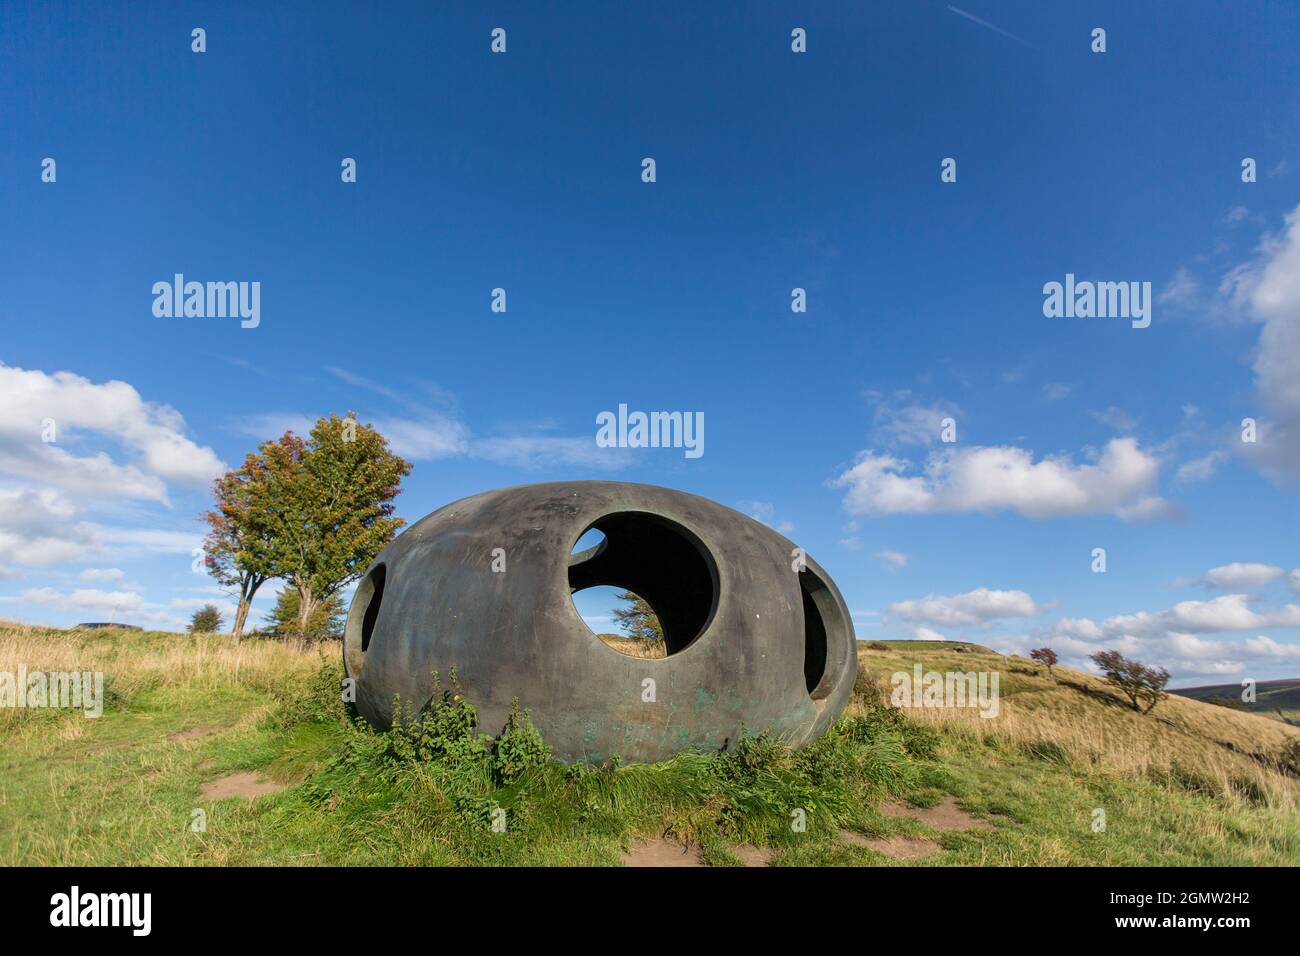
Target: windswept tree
[638, 619]
[1044, 655]
[237, 548]
[1142, 685]
[327, 507]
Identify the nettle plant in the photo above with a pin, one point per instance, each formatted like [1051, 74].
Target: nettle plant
[445, 732]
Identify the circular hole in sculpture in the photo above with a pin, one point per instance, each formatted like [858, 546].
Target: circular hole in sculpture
[669, 579]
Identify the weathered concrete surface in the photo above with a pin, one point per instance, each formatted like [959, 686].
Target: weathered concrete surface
[752, 643]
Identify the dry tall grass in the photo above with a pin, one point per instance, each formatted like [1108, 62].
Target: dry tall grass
[1081, 722]
[633, 647]
[132, 661]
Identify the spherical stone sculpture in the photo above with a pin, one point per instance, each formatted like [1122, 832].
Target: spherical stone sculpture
[758, 636]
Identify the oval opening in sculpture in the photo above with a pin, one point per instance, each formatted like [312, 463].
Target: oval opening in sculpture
[361, 619]
[826, 634]
[659, 560]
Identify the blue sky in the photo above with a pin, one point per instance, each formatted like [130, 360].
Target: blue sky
[774, 170]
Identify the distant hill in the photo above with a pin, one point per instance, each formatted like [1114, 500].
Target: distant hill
[911, 644]
[1271, 696]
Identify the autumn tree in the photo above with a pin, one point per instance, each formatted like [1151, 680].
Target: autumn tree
[1139, 683]
[638, 619]
[237, 546]
[206, 620]
[1044, 655]
[327, 507]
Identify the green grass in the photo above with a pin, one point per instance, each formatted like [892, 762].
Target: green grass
[118, 791]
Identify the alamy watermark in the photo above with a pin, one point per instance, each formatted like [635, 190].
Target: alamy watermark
[208, 300]
[952, 689]
[72, 690]
[75, 908]
[651, 430]
[1100, 300]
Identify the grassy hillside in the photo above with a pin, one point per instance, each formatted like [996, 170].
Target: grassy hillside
[1279, 699]
[250, 736]
[1191, 782]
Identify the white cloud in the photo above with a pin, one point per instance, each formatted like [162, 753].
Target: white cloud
[39, 527]
[1080, 650]
[94, 575]
[414, 395]
[1186, 653]
[193, 604]
[893, 560]
[1116, 418]
[49, 523]
[1268, 289]
[151, 540]
[268, 426]
[1182, 290]
[151, 435]
[1055, 391]
[923, 633]
[1080, 628]
[1192, 647]
[361, 382]
[1147, 509]
[974, 607]
[1210, 668]
[1230, 612]
[1230, 577]
[84, 599]
[897, 420]
[1172, 639]
[432, 437]
[1263, 646]
[108, 443]
[87, 476]
[1006, 479]
[1201, 469]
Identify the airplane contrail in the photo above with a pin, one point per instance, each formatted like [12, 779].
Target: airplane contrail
[985, 23]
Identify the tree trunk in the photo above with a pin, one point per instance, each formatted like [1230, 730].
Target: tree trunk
[241, 615]
[306, 604]
[247, 588]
